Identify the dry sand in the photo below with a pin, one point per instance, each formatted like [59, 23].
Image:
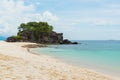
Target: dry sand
[16, 63]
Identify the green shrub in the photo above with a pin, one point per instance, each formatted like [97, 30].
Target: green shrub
[17, 37]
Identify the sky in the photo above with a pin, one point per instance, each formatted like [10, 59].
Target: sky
[77, 19]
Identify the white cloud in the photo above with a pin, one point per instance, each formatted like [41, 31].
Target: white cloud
[107, 14]
[12, 13]
[117, 5]
[49, 16]
[96, 21]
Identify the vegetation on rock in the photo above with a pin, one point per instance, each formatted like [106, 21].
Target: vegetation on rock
[15, 38]
[40, 32]
[35, 28]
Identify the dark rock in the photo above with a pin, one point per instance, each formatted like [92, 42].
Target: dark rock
[15, 39]
[44, 38]
[11, 39]
[74, 42]
[66, 41]
[34, 45]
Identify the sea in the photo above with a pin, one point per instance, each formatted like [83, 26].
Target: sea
[99, 55]
[2, 38]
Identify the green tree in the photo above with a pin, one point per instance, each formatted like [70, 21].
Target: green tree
[35, 28]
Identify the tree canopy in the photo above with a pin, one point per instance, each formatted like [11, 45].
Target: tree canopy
[35, 27]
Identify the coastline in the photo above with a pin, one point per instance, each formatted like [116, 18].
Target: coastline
[17, 60]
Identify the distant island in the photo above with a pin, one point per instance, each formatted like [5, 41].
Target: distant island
[38, 32]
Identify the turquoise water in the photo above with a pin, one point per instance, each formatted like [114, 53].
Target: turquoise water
[2, 38]
[103, 56]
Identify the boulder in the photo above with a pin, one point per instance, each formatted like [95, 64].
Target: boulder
[66, 41]
[11, 39]
[74, 42]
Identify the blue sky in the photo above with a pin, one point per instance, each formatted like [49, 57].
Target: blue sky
[77, 19]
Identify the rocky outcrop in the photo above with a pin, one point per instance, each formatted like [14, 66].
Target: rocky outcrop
[44, 38]
[74, 42]
[34, 45]
[38, 32]
[15, 39]
[66, 41]
[11, 39]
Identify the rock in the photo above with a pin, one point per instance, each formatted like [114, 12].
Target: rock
[11, 39]
[74, 42]
[66, 41]
[43, 38]
[34, 45]
[38, 32]
[15, 39]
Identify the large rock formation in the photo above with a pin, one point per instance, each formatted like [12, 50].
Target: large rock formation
[27, 36]
[39, 32]
[45, 38]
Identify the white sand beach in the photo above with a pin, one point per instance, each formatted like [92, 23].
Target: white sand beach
[16, 63]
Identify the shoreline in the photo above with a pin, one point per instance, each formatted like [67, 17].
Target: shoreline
[88, 68]
[43, 66]
[93, 68]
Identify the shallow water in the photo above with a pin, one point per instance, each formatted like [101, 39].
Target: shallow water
[102, 56]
